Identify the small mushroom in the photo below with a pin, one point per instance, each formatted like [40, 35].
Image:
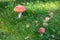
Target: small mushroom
[19, 9]
[41, 30]
[47, 19]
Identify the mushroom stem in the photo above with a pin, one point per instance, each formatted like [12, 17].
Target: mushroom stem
[19, 15]
[41, 35]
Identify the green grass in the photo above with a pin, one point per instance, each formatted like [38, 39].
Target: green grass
[12, 28]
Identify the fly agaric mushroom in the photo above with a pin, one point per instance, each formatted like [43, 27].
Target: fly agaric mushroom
[41, 30]
[19, 9]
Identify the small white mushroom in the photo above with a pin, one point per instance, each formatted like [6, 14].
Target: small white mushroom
[47, 19]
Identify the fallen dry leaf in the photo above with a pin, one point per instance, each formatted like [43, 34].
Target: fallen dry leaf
[27, 25]
[26, 37]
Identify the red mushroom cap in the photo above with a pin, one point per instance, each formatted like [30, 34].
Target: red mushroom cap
[19, 8]
[41, 30]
